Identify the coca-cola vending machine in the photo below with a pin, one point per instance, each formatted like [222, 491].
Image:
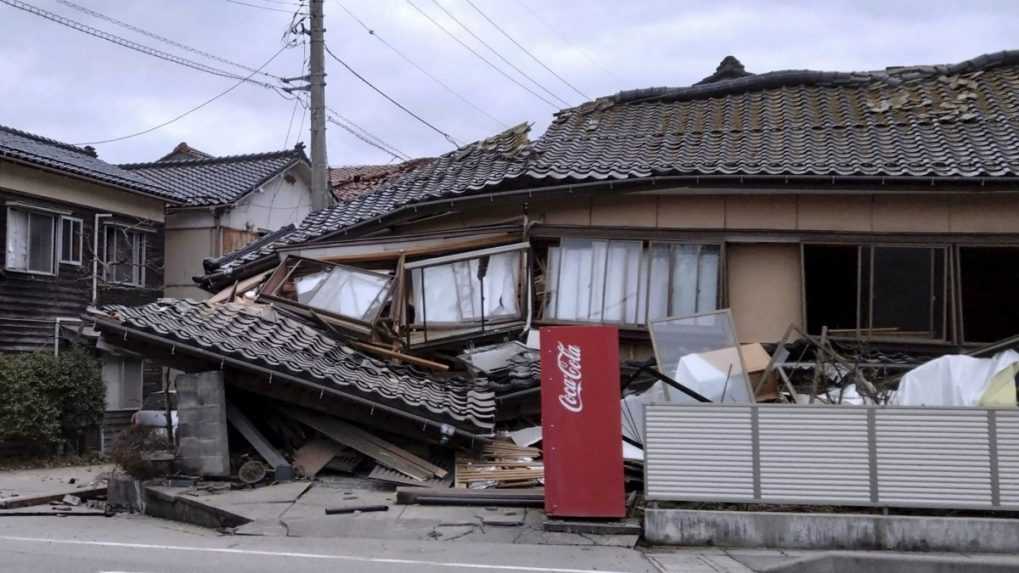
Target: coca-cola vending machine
[580, 420]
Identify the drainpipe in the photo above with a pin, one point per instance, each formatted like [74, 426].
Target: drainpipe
[56, 332]
[95, 256]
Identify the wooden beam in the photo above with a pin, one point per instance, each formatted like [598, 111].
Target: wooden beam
[247, 429]
[380, 450]
[400, 356]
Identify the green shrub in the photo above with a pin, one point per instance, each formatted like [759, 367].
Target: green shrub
[48, 401]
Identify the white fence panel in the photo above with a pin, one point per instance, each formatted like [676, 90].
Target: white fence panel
[966, 458]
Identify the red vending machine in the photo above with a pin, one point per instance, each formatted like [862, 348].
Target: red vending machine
[580, 420]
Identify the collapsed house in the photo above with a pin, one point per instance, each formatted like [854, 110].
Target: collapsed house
[865, 209]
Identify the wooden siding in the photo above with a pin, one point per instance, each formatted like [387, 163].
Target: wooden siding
[31, 303]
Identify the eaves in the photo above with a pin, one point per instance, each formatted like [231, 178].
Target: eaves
[5, 156]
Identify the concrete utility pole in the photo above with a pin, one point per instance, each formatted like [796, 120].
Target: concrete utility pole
[320, 192]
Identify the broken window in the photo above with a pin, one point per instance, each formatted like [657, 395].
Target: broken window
[31, 241]
[875, 289]
[125, 255]
[467, 291]
[701, 352]
[988, 276]
[339, 290]
[629, 282]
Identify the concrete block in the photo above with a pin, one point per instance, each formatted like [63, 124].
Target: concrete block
[831, 531]
[202, 430]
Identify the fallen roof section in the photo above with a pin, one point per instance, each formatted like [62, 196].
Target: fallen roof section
[217, 180]
[256, 337]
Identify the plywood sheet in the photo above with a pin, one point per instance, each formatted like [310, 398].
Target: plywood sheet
[764, 289]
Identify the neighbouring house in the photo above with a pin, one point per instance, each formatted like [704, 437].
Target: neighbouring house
[77, 232]
[226, 202]
[873, 205]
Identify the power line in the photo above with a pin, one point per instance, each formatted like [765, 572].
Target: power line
[120, 41]
[192, 110]
[407, 59]
[425, 122]
[393, 153]
[466, 46]
[525, 50]
[389, 148]
[260, 7]
[163, 39]
[498, 54]
[566, 40]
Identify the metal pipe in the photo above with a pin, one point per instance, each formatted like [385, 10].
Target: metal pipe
[95, 255]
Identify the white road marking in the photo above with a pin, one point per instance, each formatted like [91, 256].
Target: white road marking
[325, 556]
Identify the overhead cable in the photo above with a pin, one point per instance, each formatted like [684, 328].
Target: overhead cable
[364, 80]
[561, 36]
[259, 6]
[155, 36]
[374, 33]
[498, 54]
[525, 50]
[192, 110]
[467, 47]
[120, 41]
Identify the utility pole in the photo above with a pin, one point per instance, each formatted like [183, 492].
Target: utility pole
[321, 194]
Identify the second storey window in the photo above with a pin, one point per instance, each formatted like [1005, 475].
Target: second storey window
[629, 282]
[31, 241]
[125, 255]
[70, 240]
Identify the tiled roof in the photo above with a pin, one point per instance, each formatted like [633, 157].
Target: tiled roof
[78, 161]
[959, 120]
[217, 180]
[258, 335]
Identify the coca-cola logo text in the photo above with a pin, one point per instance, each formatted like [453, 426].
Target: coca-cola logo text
[568, 360]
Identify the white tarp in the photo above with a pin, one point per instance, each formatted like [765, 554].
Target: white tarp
[953, 380]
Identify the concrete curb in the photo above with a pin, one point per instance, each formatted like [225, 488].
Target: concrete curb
[831, 531]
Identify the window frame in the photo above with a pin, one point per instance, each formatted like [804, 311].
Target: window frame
[122, 362]
[81, 240]
[644, 278]
[270, 291]
[29, 210]
[436, 332]
[139, 267]
[864, 324]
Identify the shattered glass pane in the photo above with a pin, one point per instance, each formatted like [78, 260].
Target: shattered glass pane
[701, 352]
[343, 291]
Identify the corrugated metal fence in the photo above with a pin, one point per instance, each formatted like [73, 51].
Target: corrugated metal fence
[965, 458]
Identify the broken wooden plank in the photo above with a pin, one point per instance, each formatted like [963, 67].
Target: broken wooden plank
[282, 468]
[372, 446]
[228, 293]
[28, 501]
[315, 455]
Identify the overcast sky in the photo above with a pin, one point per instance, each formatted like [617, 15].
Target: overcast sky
[65, 84]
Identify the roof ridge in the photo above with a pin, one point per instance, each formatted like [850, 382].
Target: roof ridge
[50, 141]
[297, 151]
[891, 75]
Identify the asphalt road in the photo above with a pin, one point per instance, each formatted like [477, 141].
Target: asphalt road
[135, 544]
